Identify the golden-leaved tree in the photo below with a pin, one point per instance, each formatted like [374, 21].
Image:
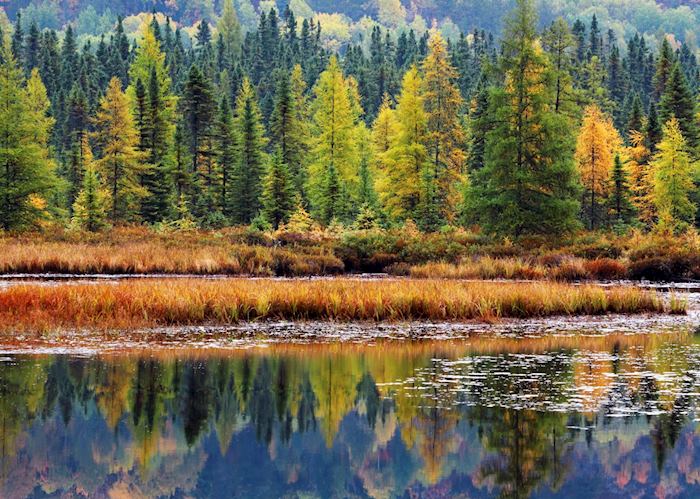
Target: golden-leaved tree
[640, 177]
[445, 137]
[120, 164]
[335, 144]
[400, 185]
[598, 143]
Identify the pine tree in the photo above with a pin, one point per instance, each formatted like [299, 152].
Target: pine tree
[120, 164]
[277, 199]
[26, 172]
[596, 148]
[250, 150]
[636, 117]
[445, 136]
[674, 172]
[528, 183]
[678, 102]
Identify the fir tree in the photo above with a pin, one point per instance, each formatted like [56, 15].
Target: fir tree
[621, 209]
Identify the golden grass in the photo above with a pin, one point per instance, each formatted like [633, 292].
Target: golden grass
[568, 269]
[134, 304]
[159, 257]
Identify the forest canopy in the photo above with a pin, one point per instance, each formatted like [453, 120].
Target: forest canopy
[212, 114]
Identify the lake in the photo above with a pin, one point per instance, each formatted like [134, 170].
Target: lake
[597, 408]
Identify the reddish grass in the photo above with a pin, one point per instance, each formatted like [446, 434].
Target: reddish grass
[136, 304]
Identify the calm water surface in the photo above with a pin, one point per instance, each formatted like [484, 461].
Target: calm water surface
[611, 415]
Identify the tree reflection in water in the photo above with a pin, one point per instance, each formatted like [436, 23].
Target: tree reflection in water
[490, 417]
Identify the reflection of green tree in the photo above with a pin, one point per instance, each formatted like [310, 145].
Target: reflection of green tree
[529, 449]
[196, 398]
[667, 427]
[21, 391]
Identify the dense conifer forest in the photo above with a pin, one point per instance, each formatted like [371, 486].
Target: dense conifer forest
[201, 114]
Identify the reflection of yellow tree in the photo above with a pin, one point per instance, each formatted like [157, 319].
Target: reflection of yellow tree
[111, 387]
[334, 379]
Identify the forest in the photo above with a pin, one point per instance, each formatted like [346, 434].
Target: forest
[536, 132]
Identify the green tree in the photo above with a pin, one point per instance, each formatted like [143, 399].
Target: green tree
[26, 170]
[674, 172]
[278, 199]
[528, 183]
[621, 209]
[678, 102]
[250, 151]
[91, 204]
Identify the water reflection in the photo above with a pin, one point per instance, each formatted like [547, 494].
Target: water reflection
[607, 416]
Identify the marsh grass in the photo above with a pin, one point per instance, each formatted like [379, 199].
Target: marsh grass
[133, 304]
[557, 269]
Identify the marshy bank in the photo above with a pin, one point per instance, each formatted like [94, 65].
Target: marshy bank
[186, 302]
[457, 254]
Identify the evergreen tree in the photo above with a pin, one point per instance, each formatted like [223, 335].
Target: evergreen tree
[621, 209]
[250, 150]
[198, 113]
[678, 102]
[653, 129]
[528, 183]
[120, 164]
[278, 199]
[26, 172]
[664, 67]
[287, 126]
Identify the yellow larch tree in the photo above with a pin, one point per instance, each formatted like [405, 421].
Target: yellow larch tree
[445, 138]
[640, 177]
[597, 144]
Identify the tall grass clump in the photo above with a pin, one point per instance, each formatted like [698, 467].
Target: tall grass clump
[195, 302]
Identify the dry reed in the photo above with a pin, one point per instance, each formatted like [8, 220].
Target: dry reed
[165, 302]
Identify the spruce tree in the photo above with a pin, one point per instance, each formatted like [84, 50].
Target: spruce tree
[277, 199]
[91, 204]
[250, 151]
[678, 102]
[226, 156]
[528, 183]
[621, 209]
